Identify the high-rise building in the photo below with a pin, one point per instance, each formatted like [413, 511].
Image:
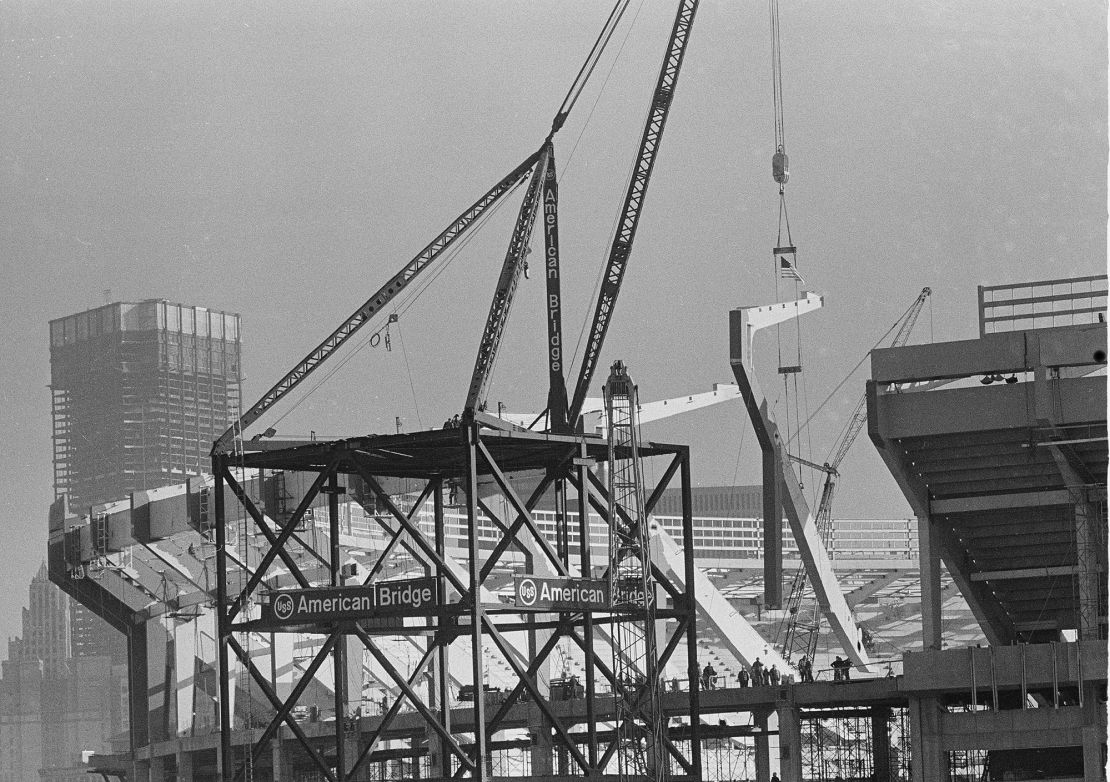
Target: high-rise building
[139, 392]
[47, 630]
[58, 696]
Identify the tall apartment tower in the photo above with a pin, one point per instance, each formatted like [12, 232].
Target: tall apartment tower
[139, 392]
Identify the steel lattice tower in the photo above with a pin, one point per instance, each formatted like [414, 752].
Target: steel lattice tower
[635, 657]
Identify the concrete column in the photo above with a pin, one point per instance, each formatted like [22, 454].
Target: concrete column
[790, 742]
[1093, 768]
[880, 743]
[277, 760]
[543, 746]
[157, 770]
[928, 761]
[929, 561]
[185, 771]
[564, 762]
[762, 750]
[140, 771]
[1094, 731]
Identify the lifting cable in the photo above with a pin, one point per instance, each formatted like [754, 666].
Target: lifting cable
[588, 66]
[785, 252]
[859, 364]
[406, 301]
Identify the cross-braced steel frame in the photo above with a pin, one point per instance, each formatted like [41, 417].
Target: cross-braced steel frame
[477, 462]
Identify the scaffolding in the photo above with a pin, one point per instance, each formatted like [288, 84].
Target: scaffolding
[856, 744]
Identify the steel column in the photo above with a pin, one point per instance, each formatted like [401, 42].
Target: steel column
[477, 615]
[226, 760]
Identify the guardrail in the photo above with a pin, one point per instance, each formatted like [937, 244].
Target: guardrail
[1041, 304]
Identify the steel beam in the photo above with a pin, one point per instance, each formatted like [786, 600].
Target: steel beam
[1020, 573]
[743, 324]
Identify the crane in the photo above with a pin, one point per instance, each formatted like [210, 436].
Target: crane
[375, 304]
[540, 164]
[621, 249]
[802, 622]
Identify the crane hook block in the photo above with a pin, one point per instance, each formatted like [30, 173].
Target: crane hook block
[780, 167]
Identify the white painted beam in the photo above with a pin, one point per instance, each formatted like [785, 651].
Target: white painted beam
[743, 640]
[802, 523]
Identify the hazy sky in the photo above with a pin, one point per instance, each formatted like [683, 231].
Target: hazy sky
[282, 160]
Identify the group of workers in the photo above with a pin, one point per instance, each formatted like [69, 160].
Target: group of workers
[842, 669]
[760, 676]
[764, 676]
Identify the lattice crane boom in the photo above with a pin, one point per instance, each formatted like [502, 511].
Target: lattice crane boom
[374, 305]
[621, 248]
[511, 269]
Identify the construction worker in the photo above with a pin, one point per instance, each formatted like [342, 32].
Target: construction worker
[757, 673]
[708, 677]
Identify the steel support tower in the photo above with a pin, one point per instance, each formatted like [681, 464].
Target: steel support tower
[632, 589]
[401, 482]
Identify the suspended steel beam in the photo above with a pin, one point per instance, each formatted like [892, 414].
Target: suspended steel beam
[743, 324]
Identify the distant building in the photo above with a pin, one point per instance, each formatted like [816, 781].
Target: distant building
[59, 696]
[139, 392]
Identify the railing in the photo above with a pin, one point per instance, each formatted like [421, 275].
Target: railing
[1041, 304]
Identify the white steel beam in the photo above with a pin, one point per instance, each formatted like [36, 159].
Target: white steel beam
[802, 523]
[743, 640]
[647, 411]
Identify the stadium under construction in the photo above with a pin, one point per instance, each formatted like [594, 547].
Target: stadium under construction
[551, 596]
[983, 620]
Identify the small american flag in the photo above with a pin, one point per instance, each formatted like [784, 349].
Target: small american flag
[787, 270]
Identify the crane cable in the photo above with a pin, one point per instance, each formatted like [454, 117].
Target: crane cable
[776, 86]
[589, 65]
[859, 364]
[785, 255]
[406, 301]
[403, 302]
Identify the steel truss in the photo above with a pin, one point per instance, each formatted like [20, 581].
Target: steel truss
[462, 741]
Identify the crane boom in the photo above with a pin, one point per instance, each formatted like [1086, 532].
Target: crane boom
[375, 303]
[511, 269]
[621, 248]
